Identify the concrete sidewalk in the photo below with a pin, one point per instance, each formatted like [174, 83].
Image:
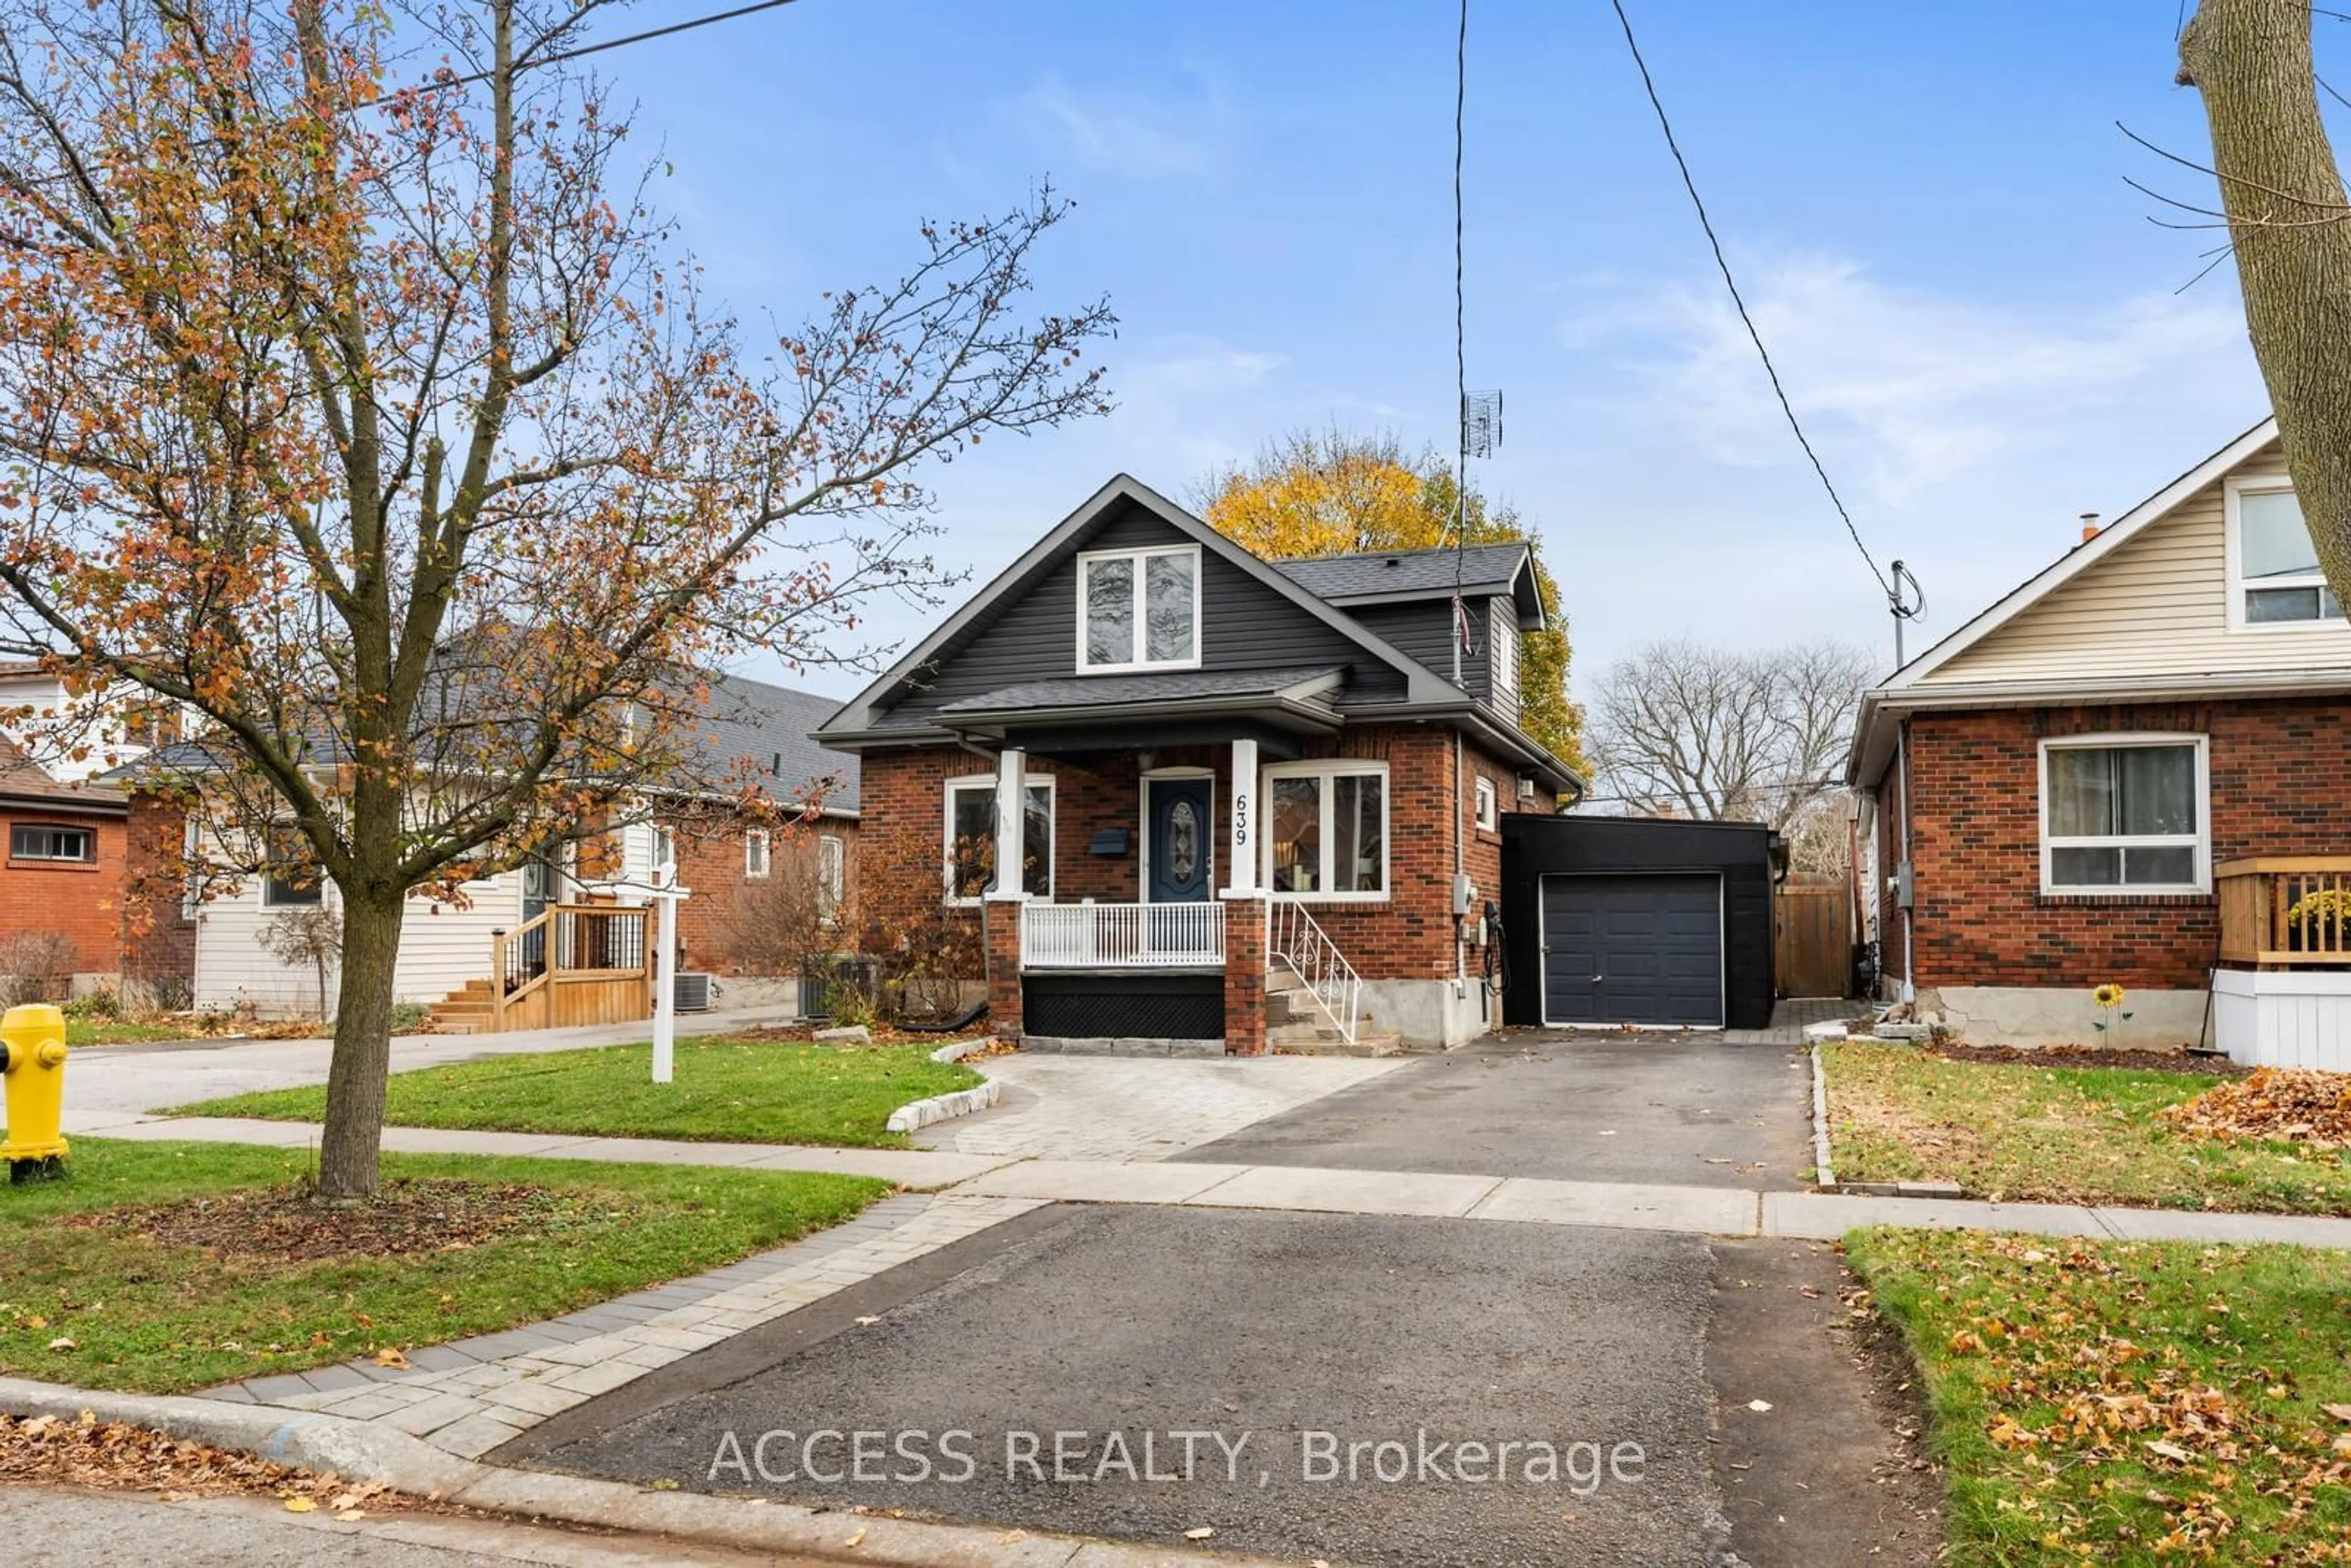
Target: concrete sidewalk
[1694, 1210]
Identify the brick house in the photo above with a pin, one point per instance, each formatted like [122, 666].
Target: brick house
[577, 907]
[66, 845]
[2133, 770]
[1196, 767]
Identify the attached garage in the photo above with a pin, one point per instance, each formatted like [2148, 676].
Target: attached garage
[1613, 921]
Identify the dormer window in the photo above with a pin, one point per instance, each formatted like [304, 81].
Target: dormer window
[2273, 576]
[1139, 609]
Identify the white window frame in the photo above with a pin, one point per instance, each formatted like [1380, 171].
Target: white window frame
[662, 848]
[1502, 645]
[759, 855]
[1490, 804]
[2200, 840]
[1328, 769]
[2234, 491]
[986, 781]
[1086, 560]
[831, 876]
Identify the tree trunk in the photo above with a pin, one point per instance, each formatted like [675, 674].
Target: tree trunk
[2251, 59]
[349, 1147]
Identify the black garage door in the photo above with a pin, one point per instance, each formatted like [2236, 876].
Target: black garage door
[1632, 949]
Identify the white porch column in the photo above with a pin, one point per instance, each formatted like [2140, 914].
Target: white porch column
[1011, 819]
[1241, 858]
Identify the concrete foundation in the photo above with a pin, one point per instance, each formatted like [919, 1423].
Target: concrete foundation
[2049, 1015]
[1428, 1014]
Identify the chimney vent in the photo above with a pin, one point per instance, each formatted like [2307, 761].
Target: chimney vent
[2089, 527]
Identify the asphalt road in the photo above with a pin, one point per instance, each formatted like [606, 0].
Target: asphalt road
[1681, 1110]
[1254, 1330]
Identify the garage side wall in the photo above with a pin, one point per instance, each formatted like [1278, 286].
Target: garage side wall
[1534, 847]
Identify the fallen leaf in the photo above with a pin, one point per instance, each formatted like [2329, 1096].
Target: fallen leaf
[2171, 1451]
[351, 1516]
[867, 1323]
[1758, 1405]
[2340, 1412]
[389, 1356]
[857, 1539]
[1202, 1533]
[61, 1342]
[299, 1505]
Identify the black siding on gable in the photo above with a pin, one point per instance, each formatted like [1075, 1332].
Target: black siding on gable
[1424, 629]
[1534, 847]
[1244, 624]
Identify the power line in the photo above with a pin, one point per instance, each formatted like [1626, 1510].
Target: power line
[1722, 263]
[585, 50]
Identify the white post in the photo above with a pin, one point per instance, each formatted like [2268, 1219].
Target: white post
[1240, 859]
[1011, 820]
[663, 917]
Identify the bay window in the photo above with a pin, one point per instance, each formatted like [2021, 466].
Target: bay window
[2125, 814]
[1139, 609]
[971, 838]
[1327, 830]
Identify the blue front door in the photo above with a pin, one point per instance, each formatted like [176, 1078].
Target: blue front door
[1178, 868]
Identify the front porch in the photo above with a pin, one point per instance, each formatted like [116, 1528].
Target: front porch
[2281, 993]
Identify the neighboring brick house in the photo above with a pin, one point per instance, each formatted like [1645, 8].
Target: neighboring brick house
[64, 871]
[757, 736]
[1200, 761]
[2129, 770]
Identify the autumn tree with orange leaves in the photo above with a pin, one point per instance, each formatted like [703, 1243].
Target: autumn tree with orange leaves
[1334, 492]
[353, 396]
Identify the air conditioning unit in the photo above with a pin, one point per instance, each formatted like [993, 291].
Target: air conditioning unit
[692, 993]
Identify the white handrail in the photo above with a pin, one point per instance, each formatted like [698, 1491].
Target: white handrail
[1301, 944]
[1122, 935]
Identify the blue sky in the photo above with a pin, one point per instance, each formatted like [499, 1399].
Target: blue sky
[1925, 203]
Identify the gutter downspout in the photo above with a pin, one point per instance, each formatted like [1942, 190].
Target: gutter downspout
[1908, 876]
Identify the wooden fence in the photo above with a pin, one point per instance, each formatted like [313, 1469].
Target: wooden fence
[1813, 938]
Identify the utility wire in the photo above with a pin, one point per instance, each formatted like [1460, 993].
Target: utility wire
[1722, 264]
[1460, 335]
[560, 55]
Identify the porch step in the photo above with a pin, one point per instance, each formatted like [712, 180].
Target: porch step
[1322, 1039]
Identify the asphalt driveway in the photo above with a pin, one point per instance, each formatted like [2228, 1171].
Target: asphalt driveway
[1688, 1110]
[1255, 1331]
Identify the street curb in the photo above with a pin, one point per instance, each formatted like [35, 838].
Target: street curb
[956, 1050]
[944, 1107]
[362, 1451]
[1823, 1173]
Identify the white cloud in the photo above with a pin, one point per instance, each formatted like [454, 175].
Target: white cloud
[1123, 131]
[1908, 390]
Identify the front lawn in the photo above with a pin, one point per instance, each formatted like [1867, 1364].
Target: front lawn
[2127, 1402]
[82, 1031]
[165, 1267]
[734, 1090]
[2059, 1135]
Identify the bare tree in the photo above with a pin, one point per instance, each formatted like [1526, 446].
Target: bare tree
[1682, 729]
[2283, 198]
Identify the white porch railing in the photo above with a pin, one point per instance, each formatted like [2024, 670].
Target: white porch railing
[1122, 935]
[1319, 967]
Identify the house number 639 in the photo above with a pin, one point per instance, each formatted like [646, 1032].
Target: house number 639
[1240, 818]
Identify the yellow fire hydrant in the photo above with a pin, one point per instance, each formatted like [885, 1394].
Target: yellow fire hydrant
[33, 1067]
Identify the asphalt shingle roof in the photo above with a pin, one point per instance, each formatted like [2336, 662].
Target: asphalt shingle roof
[1489, 569]
[22, 779]
[1164, 685]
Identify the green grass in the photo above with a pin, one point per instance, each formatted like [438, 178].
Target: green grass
[759, 1092]
[2062, 1134]
[143, 1315]
[2050, 1367]
[87, 1031]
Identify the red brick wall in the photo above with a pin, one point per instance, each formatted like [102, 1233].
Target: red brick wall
[82, 900]
[2281, 773]
[1409, 937]
[158, 939]
[715, 923]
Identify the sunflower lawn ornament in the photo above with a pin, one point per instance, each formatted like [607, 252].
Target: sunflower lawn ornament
[2108, 1000]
